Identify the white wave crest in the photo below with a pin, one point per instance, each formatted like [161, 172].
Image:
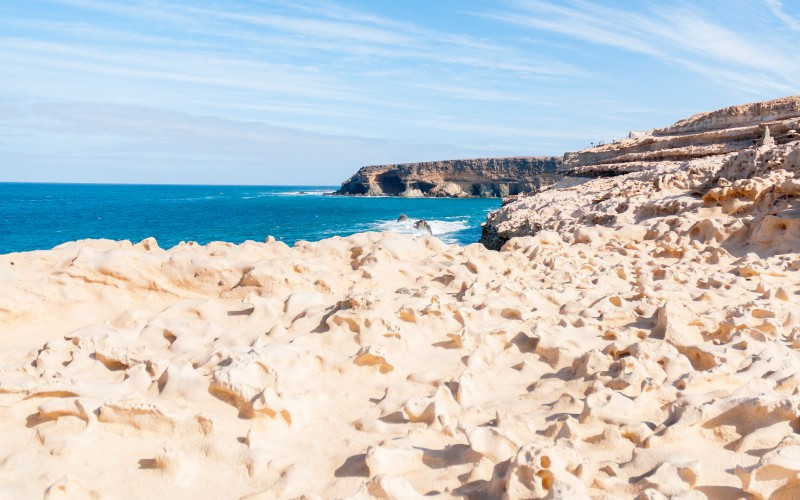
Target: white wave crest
[443, 229]
[268, 194]
[310, 192]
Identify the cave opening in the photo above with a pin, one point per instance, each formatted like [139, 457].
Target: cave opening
[355, 188]
[423, 186]
[484, 190]
[390, 183]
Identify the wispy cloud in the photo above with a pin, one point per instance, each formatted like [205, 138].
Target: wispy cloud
[338, 83]
[776, 7]
[677, 35]
[324, 29]
[89, 138]
[349, 32]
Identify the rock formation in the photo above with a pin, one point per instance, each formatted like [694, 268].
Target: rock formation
[640, 340]
[481, 177]
[423, 225]
[728, 130]
[707, 149]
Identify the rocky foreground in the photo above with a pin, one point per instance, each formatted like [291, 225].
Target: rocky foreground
[476, 177]
[642, 343]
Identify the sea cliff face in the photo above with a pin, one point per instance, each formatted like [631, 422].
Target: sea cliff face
[480, 177]
[670, 171]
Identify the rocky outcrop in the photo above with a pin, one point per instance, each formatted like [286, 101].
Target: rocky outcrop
[750, 151]
[479, 177]
[703, 135]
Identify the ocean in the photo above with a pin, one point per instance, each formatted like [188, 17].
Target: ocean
[41, 216]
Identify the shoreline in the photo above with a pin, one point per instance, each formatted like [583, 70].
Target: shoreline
[633, 336]
[42, 216]
[390, 317]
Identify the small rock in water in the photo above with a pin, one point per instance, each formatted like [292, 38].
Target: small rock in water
[422, 225]
[403, 217]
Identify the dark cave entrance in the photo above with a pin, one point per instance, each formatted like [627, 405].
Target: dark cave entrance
[483, 190]
[390, 183]
[356, 188]
[423, 186]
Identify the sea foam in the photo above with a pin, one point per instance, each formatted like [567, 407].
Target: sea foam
[441, 228]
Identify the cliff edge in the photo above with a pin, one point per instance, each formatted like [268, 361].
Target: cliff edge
[477, 177]
[734, 167]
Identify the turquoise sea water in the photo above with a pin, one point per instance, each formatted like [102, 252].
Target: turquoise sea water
[41, 216]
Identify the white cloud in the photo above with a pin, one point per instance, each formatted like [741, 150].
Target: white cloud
[776, 7]
[676, 35]
[352, 32]
[103, 143]
[325, 88]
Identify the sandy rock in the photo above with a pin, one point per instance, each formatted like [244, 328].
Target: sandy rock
[373, 356]
[69, 487]
[776, 475]
[542, 472]
[638, 340]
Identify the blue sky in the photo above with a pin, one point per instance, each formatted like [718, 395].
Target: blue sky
[296, 92]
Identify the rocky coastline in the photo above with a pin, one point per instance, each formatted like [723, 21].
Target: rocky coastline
[637, 335]
[705, 150]
[476, 177]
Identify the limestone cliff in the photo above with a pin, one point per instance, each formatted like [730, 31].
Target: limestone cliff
[481, 177]
[715, 133]
[664, 175]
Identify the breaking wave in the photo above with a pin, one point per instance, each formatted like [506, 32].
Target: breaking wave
[441, 228]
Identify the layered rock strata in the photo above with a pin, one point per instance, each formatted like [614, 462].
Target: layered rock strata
[717, 133]
[480, 177]
[701, 148]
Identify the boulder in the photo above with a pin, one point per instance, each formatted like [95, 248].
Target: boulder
[423, 225]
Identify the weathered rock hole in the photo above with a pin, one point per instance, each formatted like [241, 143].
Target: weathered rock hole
[171, 337]
[547, 478]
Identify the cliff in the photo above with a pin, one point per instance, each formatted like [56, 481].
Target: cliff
[481, 177]
[703, 135]
[660, 172]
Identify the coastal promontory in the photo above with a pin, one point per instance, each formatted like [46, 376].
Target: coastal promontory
[476, 177]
